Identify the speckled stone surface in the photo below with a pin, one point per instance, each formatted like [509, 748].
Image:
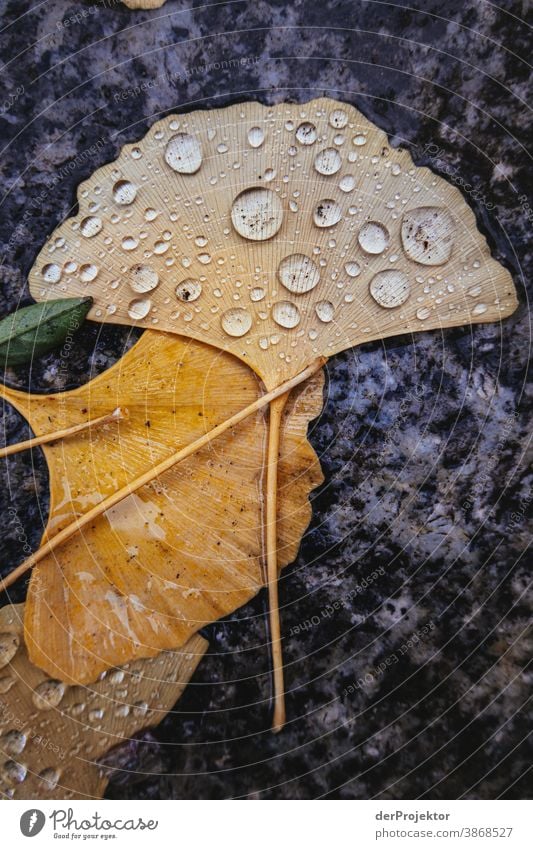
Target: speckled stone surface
[406, 612]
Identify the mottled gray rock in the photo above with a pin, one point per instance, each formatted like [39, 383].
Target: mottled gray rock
[405, 614]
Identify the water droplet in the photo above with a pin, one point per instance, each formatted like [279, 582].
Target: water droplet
[338, 119]
[48, 694]
[236, 322]
[150, 214]
[328, 161]
[13, 772]
[140, 708]
[423, 313]
[373, 237]
[13, 742]
[257, 214]
[95, 714]
[222, 148]
[51, 273]
[50, 777]
[6, 683]
[428, 235]
[347, 183]
[136, 153]
[184, 154]
[91, 226]
[390, 288]
[200, 241]
[352, 269]
[257, 294]
[256, 137]
[474, 291]
[298, 273]
[9, 644]
[359, 140]
[188, 290]
[327, 213]
[139, 308]
[286, 314]
[122, 710]
[395, 169]
[144, 278]
[88, 272]
[205, 259]
[325, 311]
[129, 243]
[124, 192]
[306, 133]
[479, 309]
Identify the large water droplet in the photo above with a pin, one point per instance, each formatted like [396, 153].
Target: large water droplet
[327, 213]
[286, 314]
[428, 235]
[373, 237]
[306, 133]
[13, 772]
[236, 322]
[124, 192]
[9, 644]
[257, 294]
[479, 309]
[13, 742]
[49, 777]
[257, 214]
[390, 288]
[328, 161]
[188, 290]
[298, 273]
[139, 308]
[91, 226]
[88, 272]
[256, 137]
[144, 278]
[423, 313]
[325, 311]
[184, 153]
[51, 273]
[48, 694]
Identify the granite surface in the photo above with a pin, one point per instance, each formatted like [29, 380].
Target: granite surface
[406, 612]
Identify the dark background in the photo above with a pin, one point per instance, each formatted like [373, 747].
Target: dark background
[408, 426]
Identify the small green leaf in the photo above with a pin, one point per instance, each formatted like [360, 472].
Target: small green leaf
[35, 330]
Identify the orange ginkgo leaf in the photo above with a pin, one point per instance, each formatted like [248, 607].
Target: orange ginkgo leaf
[52, 735]
[182, 551]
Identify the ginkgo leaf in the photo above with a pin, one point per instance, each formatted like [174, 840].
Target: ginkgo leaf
[278, 233]
[52, 735]
[182, 551]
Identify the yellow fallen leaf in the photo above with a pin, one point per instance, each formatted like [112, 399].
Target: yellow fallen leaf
[52, 735]
[182, 551]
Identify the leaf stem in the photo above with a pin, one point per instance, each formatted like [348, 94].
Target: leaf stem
[116, 416]
[118, 496]
[276, 414]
